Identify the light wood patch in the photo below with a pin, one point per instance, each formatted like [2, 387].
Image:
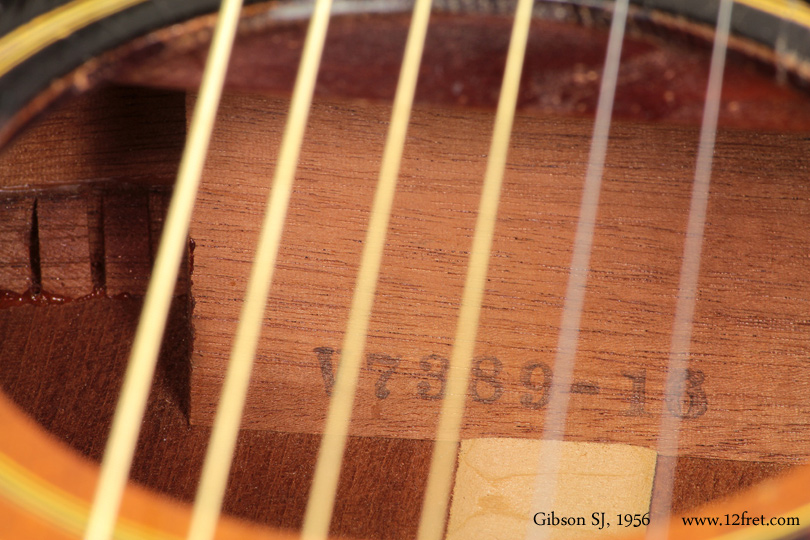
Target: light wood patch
[497, 480]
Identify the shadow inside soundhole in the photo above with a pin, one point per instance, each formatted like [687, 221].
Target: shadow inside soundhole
[63, 363]
[63, 356]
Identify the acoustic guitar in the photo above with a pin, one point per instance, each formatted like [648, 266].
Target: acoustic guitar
[484, 269]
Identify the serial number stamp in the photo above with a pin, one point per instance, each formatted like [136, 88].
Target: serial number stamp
[489, 382]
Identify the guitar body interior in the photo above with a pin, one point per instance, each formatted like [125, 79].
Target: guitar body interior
[86, 187]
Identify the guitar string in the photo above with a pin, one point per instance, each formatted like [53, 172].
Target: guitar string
[780, 47]
[221, 445]
[356, 351]
[129, 412]
[568, 337]
[30, 38]
[321, 501]
[442, 465]
[793, 10]
[551, 431]
[556, 428]
[681, 337]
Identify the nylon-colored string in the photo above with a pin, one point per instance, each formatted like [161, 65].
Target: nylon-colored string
[780, 46]
[434, 507]
[333, 442]
[28, 39]
[25, 41]
[669, 429]
[137, 381]
[219, 455]
[567, 341]
[797, 12]
[158, 297]
[62, 510]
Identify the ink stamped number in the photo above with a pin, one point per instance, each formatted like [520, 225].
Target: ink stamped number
[489, 384]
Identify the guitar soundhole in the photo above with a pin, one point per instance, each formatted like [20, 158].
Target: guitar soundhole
[77, 248]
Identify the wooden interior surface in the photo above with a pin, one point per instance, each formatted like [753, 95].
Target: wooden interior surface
[63, 483]
[745, 395]
[61, 360]
[662, 75]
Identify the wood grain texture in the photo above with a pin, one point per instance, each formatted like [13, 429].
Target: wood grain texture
[127, 242]
[64, 476]
[121, 134]
[64, 245]
[662, 76]
[159, 198]
[63, 364]
[16, 275]
[629, 363]
[504, 489]
[701, 481]
[744, 398]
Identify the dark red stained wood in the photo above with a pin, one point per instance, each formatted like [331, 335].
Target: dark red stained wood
[127, 243]
[15, 238]
[662, 77]
[95, 237]
[64, 247]
[159, 198]
[748, 345]
[63, 364]
[700, 481]
[131, 135]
